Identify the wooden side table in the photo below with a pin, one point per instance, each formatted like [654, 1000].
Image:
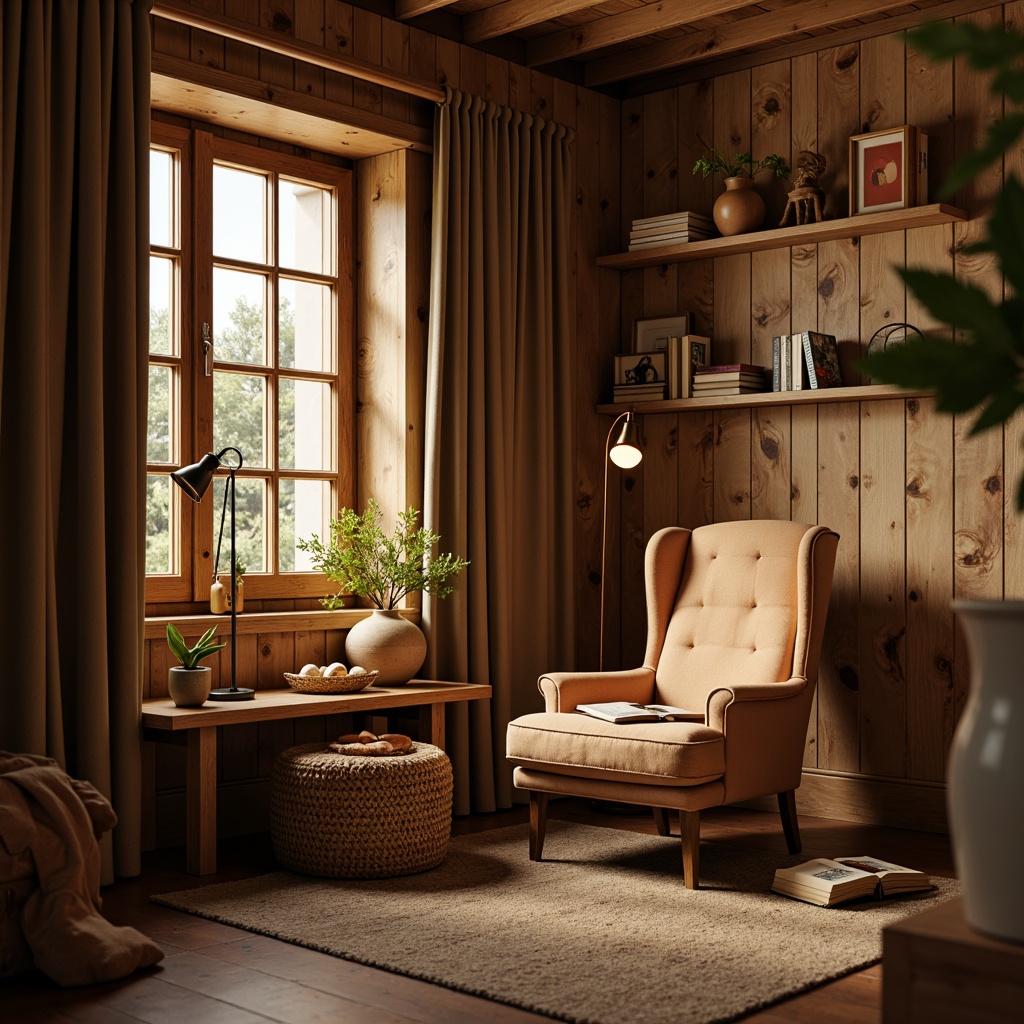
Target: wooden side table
[197, 729]
[936, 969]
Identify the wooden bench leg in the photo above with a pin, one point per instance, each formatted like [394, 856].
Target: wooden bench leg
[201, 801]
[538, 819]
[689, 831]
[661, 820]
[790, 825]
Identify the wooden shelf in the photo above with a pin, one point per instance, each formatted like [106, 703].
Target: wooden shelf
[775, 238]
[860, 393]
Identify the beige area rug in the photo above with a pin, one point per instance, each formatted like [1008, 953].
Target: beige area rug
[602, 930]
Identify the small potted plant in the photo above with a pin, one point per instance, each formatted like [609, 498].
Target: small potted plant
[189, 683]
[739, 208]
[364, 561]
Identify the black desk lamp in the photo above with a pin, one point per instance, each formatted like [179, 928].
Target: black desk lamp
[194, 480]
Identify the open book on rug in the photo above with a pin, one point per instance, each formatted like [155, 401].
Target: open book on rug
[828, 882]
[623, 711]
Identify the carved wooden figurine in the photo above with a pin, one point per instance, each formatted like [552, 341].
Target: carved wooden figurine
[805, 197]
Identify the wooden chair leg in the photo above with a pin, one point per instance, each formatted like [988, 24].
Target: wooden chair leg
[661, 820]
[538, 819]
[689, 830]
[790, 825]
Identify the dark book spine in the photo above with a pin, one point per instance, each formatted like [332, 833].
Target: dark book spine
[812, 377]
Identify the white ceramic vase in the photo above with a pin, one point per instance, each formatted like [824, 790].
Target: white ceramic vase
[985, 785]
[189, 687]
[384, 641]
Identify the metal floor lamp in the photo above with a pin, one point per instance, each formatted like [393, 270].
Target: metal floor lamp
[624, 450]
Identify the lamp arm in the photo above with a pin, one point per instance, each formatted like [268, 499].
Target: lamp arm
[230, 448]
[604, 533]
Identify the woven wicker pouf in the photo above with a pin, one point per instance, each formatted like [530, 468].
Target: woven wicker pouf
[360, 817]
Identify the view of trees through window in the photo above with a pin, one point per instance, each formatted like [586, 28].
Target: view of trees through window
[268, 384]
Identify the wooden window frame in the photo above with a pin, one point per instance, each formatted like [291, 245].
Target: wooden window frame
[196, 393]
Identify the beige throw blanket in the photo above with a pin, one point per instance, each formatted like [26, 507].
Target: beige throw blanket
[57, 820]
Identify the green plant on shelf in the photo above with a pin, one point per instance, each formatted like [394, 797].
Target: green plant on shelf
[191, 656]
[739, 165]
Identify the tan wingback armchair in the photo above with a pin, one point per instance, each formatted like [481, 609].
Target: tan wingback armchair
[735, 615]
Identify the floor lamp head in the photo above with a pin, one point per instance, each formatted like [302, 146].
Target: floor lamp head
[195, 480]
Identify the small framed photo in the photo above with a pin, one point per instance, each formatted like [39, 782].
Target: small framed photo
[640, 368]
[888, 170]
[653, 335]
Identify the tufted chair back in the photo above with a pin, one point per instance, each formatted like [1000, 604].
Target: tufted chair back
[730, 603]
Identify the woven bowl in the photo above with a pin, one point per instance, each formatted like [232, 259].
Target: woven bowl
[331, 684]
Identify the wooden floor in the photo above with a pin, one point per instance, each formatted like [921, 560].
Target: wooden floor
[214, 974]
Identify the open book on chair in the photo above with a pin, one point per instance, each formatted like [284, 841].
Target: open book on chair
[623, 711]
[828, 882]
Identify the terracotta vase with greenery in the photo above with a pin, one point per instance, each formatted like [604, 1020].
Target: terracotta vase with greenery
[739, 208]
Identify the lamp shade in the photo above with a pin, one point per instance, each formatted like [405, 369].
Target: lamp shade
[625, 449]
[195, 479]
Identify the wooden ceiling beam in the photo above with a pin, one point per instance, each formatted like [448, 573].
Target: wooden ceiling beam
[756, 31]
[405, 9]
[513, 15]
[641, 21]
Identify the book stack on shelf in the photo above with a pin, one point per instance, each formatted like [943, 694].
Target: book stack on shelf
[805, 360]
[633, 393]
[729, 379]
[670, 229]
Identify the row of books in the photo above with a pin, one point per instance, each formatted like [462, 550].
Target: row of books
[729, 379]
[669, 229]
[809, 359]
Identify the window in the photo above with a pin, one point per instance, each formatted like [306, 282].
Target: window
[270, 371]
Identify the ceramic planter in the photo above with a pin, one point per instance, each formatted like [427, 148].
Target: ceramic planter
[385, 641]
[189, 687]
[985, 785]
[739, 208]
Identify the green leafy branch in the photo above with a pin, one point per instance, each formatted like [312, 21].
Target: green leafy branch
[191, 656]
[739, 165]
[364, 561]
[982, 370]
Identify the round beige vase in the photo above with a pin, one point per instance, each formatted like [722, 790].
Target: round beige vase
[384, 641]
[189, 687]
[739, 208]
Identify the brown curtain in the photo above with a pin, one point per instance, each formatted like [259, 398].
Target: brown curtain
[500, 468]
[73, 347]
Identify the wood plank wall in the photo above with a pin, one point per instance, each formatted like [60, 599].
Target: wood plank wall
[247, 751]
[925, 514]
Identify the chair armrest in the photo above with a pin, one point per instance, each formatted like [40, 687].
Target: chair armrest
[721, 698]
[564, 690]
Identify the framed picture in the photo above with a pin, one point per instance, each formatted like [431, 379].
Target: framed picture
[653, 335]
[640, 368]
[888, 170]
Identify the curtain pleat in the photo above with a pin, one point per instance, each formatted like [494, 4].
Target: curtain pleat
[73, 358]
[499, 454]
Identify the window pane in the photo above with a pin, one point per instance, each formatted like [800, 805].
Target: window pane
[159, 495]
[304, 424]
[240, 415]
[250, 524]
[304, 326]
[161, 198]
[239, 214]
[303, 226]
[161, 288]
[303, 511]
[158, 444]
[239, 317]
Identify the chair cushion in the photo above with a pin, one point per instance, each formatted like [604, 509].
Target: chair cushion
[654, 753]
